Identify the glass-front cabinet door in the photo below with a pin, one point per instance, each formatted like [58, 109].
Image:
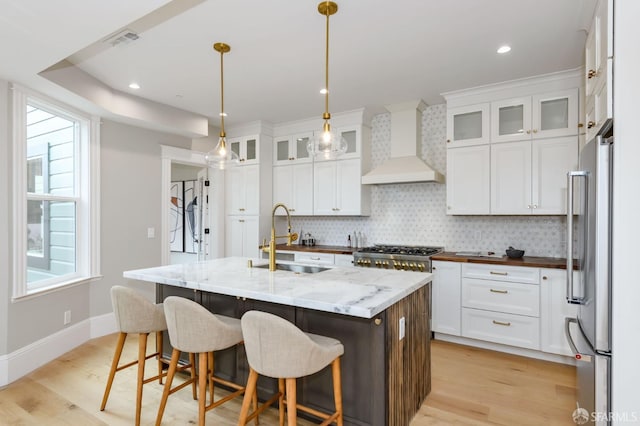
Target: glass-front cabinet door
[291, 148]
[468, 125]
[511, 120]
[555, 114]
[246, 149]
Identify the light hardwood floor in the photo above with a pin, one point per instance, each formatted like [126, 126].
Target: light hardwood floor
[469, 387]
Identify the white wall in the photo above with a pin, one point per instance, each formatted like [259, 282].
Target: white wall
[626, 234]
[130, 203]
[415, 213]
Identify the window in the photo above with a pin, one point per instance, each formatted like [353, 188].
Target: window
[55, 195]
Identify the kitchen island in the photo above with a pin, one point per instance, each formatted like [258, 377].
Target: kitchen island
[385, 376]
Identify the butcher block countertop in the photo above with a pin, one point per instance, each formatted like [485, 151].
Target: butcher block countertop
[317, 249]
[531, 261]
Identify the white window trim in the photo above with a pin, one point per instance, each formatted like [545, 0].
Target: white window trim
[87, 245]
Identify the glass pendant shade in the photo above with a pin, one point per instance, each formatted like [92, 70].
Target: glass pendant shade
[222, 156]
[328, 145]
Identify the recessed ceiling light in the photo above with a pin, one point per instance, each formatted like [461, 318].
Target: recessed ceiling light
[323, 91]
[504, 49]
[134, 86]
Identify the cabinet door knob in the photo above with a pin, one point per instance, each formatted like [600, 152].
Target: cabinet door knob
[528, 132]
[448, 140]
[377, 321]
[433, 268]
[544, 277]
[591, 124]
[535, 130]
[292, 210]
[241, 209]
[591, 73]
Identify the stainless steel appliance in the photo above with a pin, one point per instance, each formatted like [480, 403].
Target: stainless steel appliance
[408, 258]
[589, 335]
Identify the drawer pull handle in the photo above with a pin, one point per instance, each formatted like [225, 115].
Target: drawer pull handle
[506, 324]
[314, 258]
[499, 291]
[499, 273]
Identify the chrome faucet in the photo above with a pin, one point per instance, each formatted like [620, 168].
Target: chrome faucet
[291, 237]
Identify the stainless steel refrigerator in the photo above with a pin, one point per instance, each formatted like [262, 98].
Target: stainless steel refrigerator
[589, 207]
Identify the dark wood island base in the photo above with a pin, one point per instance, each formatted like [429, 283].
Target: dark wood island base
[385, 379]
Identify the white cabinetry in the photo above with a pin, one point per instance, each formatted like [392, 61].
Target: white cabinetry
[599, 68]
[468, 180]
[242, 193]
[501, 304]
[337, 189]
[468, 125]
[529, 177]
[317, 258]
[293, 186]
[246, 148]
[553, 310]
[511, 145]
[241, 236]
[445, 305]
[545, 115]
[291, 148]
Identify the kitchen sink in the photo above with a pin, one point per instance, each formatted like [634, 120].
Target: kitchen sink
[306, 269]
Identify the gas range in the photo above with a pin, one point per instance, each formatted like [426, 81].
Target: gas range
[408, 258]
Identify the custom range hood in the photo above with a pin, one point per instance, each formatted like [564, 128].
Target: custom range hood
[405, 164]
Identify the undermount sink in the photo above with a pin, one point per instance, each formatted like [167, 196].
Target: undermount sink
[306, 269]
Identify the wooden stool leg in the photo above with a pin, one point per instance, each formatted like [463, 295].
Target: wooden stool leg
[192, 361]
[114, 366]
[248, 396]
[254, 400]
[337, 389]
[159, 356]
[202, 386]
[210, 374]
[291, 402]
[175, 356]
[142, 353]
[281, 401]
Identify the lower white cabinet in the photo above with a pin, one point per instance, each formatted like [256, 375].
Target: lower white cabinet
[242, 237]
[343, 260]
[517, 306]
[319, 258]
[499, 327]
[445, 293]
[553, 310]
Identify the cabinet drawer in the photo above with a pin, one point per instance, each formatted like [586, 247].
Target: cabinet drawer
[517, 274]
[320, 258]
[508, 329]
[500, 296]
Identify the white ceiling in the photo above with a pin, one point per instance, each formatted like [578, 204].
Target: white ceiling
[380, 53]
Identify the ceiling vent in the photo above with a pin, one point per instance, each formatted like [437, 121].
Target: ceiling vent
[122, 38]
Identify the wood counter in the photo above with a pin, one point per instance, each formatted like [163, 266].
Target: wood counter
[530, 261]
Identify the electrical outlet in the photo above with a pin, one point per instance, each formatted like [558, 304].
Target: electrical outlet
[402, 328]
[67, 317]
[151, 232]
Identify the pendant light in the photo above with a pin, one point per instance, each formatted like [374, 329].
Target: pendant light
[222, 156]
[328, 144]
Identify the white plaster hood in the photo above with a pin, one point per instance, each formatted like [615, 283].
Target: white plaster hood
[405, 164]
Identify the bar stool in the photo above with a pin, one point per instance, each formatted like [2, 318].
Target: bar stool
[193, 329]
[276, 348]
[135, 314]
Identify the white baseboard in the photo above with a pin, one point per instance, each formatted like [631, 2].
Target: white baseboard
[21, 362]
[529, 353]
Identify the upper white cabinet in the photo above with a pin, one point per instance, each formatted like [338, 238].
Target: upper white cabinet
[468, 125]
[530, 177]
[246, 148]
[242, 193]
[468, 180]
[599, 69]
[293, 186]
[337, 189]
[511, 144]
[292, 148]
[545, 115]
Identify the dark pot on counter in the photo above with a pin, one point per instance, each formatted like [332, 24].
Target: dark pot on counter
[514, 253]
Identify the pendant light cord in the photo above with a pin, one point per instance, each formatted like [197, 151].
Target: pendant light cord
[326, 70]
[222, 133]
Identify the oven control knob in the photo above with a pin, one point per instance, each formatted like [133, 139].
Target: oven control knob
[405, 265]
[386, 264]
[378, 263]
[397, 265]
[360, 261]
[421, 267]
[368, 262]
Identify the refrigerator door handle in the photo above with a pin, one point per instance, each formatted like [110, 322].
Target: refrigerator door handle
[567, 331]
[570, 176]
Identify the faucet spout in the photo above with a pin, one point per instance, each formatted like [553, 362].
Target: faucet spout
[272, 243]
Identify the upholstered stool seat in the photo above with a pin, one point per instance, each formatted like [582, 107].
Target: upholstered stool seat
[135, 314]
[193, 329]
[277, 348]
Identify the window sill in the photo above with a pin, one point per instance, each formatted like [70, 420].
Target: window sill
[57, 287]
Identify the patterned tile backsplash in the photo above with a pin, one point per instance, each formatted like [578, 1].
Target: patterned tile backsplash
[415, 213]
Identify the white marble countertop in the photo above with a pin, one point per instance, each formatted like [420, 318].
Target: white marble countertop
[355, 291]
